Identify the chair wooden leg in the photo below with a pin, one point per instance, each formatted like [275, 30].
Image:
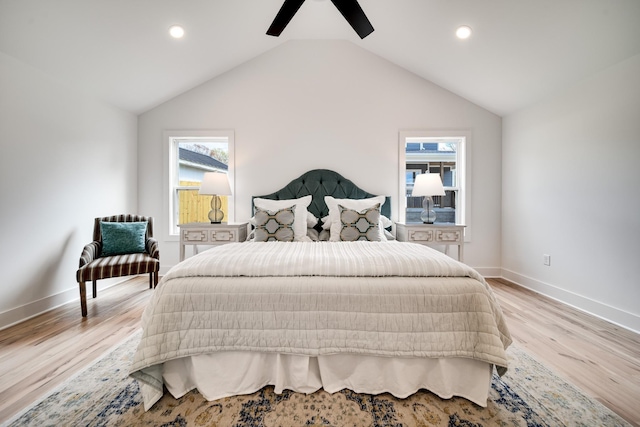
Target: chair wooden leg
[150, 280]
[95, 288]
[83, 298]
[155, 279]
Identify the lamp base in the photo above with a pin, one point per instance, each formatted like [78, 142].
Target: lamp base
[428, 215]
[215, 214]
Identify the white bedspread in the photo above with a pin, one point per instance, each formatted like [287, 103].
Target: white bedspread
[360, 259]
[376, 298]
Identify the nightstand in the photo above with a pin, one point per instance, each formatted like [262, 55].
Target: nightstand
[433, 235]
[203, 233]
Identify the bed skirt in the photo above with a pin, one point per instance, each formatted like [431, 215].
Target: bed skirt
[234, 373]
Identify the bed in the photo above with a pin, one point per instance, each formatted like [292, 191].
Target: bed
[301, 314]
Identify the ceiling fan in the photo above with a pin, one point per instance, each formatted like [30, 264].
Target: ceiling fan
[350, 9]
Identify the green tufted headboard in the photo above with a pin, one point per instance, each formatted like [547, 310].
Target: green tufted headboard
[320, 183]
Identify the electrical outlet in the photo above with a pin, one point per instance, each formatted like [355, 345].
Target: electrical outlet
[546, 259]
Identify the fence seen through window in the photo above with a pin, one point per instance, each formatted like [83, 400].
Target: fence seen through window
[195, 157]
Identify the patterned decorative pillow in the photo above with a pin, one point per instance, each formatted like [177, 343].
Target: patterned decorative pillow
[333, 223]
[300, 210]
[274, 225]
[120, 238]
[360, 225]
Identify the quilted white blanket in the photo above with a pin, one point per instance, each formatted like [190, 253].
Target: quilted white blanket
[377, 298]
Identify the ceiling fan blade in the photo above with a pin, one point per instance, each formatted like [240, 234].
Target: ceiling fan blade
[355, 16]
[288, 9]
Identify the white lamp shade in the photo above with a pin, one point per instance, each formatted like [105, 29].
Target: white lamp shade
[215, 183]
[428, 184]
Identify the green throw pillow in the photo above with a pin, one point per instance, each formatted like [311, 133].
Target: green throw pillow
[123, 237]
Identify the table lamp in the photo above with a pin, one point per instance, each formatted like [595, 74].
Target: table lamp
[216, 184]
[427, 185]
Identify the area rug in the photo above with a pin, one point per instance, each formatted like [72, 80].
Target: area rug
[103, 395]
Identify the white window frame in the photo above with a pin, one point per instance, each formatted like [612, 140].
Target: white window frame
[170, 144]
[463, 172]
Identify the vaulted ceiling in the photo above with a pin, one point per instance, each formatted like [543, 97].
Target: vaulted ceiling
[520, 51]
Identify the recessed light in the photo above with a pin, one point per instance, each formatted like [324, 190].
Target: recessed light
[176, 31]
[463, 32]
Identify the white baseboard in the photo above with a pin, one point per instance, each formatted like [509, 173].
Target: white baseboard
[35, 308]
[489, 271]
[613, 315]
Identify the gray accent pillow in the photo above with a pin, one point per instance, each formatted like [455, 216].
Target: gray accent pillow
[120, 238]
[360, 225]
[313, 234]
[274, 225]
[324, 236]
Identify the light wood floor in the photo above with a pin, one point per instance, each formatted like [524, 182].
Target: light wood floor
[598, 357]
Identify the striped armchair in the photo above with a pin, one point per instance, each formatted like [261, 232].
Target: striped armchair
[95, 266]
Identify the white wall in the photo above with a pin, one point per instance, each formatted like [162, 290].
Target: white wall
[571, 181]
[65, 159]
[324, 104]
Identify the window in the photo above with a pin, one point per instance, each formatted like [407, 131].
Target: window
[440, 152]
[191, 154]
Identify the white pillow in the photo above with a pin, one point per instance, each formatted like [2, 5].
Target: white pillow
[386, 222]
[356, 204]
[300, 220]
[311, 220]
[326, 224]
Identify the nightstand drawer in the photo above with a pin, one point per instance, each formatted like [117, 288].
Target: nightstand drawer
[421, 236]
[223, 236]
[194, 236]
[448, 236]
[204, 233]
[435, 235]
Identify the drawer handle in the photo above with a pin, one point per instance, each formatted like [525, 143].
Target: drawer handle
[424, 236]
[223, 235]
[448, 236]
[195, 236]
